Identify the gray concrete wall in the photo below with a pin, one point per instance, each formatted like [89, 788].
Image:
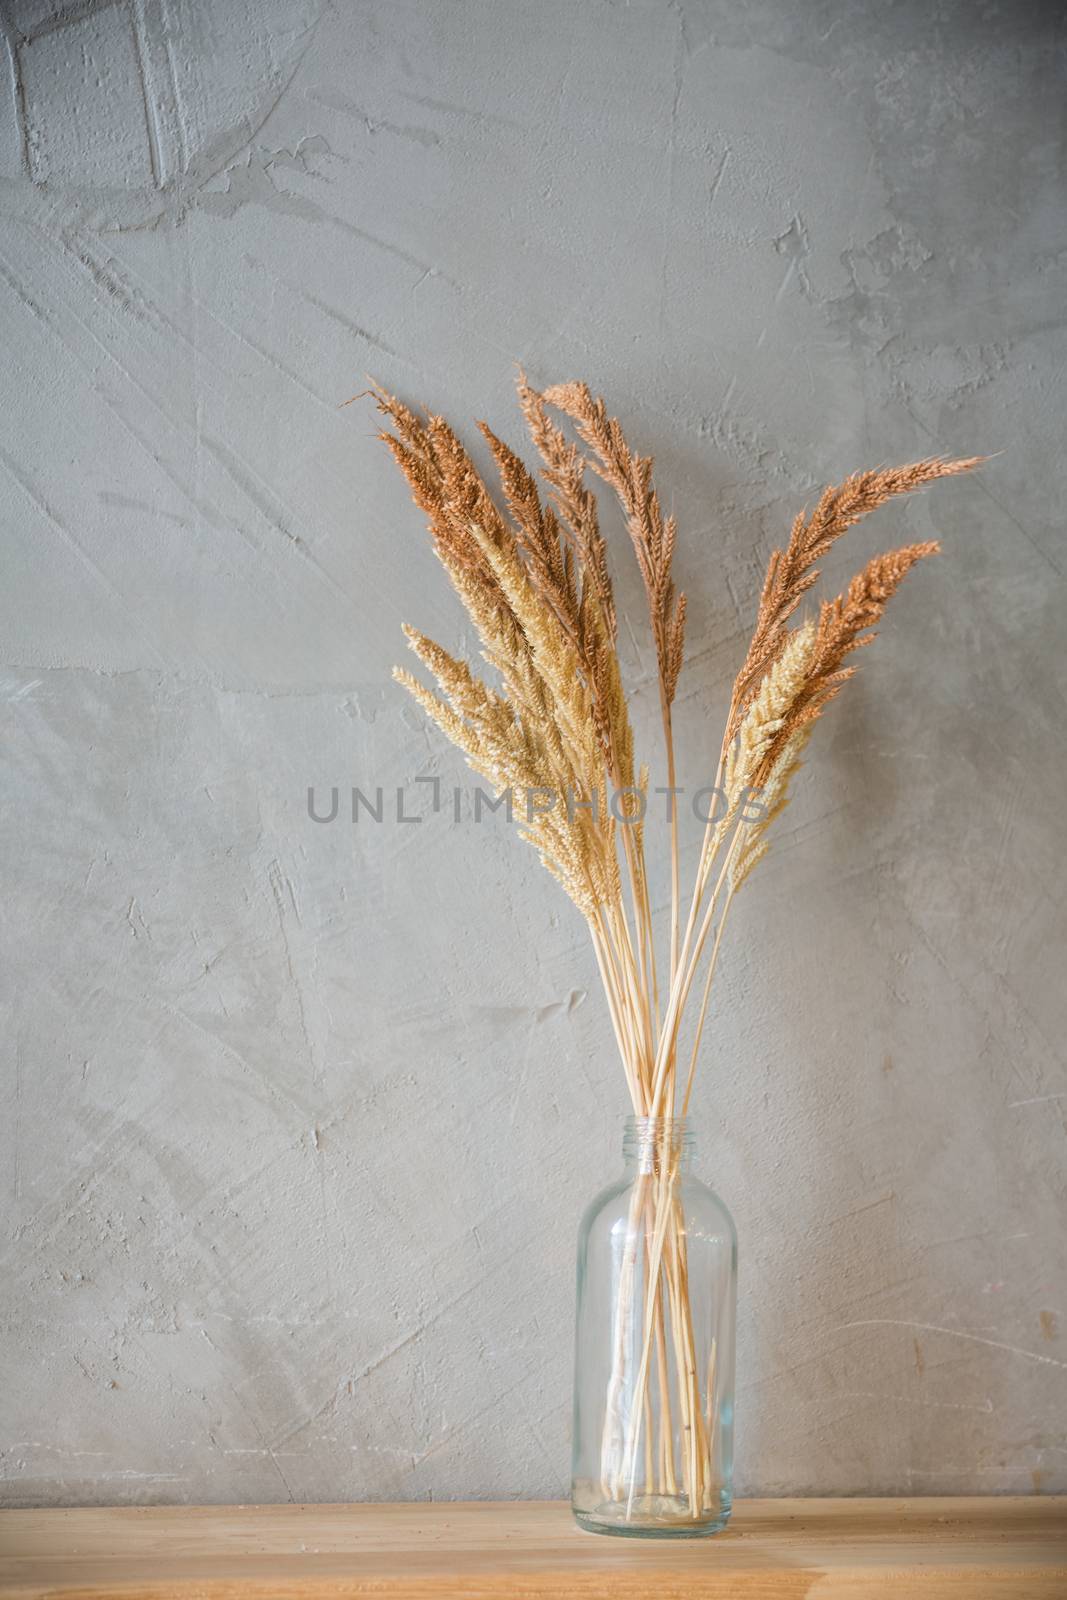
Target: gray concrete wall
[298, 1119]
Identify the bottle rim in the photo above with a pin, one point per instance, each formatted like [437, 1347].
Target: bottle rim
[659, 1131]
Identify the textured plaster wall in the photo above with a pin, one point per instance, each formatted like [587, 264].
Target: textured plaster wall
[298, 1120]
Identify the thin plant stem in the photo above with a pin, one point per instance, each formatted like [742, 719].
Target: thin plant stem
[668, 741]
[704, 1003]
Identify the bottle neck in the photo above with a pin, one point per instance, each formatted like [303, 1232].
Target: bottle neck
[649, 1142]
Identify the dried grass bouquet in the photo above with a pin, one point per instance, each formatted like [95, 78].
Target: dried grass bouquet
[530, 566]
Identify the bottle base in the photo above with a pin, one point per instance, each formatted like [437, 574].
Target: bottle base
[658, 1516]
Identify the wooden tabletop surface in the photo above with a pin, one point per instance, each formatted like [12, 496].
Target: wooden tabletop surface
[965, 1549]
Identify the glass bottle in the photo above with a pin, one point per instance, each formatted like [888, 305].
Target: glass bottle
[654, 1349]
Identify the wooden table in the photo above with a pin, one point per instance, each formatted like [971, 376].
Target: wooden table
[963, 1549]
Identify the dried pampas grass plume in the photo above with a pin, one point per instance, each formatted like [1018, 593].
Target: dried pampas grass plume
[792, 572]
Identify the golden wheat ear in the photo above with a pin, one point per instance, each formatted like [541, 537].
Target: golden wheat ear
[652, 534]
[792, 572]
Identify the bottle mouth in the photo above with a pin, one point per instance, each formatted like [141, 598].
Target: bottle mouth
[649, 1137]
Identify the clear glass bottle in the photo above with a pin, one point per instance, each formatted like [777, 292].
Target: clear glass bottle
[654, 1350]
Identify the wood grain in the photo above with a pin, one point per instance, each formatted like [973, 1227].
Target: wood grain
[966, 1549]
